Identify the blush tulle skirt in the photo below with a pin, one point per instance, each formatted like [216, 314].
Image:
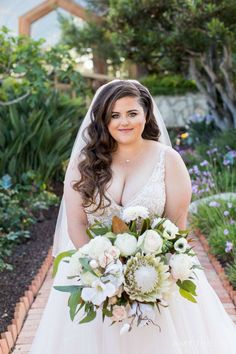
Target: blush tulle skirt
[186, 328]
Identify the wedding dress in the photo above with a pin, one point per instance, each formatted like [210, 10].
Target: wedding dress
[186, 328]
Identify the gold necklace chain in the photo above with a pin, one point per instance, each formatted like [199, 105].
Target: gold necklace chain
[133, 159]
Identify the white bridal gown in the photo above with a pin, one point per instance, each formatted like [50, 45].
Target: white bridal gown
[186, 328]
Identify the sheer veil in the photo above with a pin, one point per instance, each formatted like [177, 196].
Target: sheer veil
[61, 238]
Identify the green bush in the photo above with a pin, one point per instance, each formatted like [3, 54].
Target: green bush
[230, 270]
[217, 242]
[38, 139]
[38, 122]
[168, 84]
[210, 215]
[20, 207]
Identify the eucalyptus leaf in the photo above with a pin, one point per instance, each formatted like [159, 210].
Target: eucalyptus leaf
[68, 288]
[59, 258]
[89, 317]
[73, 302]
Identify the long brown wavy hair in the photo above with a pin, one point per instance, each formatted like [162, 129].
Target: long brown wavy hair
[95, 167]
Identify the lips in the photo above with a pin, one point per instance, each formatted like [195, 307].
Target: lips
[125, 130]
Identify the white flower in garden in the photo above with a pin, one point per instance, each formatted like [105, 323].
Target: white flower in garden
[181, 245]
[74, 266]
[98, 293]
[181, 265]
[98, 246]
[88, 278]
[126, 243]
[170, 230]
[118, 313]
[155, 222]
[132, 213]
[125, 328]
[150, 242]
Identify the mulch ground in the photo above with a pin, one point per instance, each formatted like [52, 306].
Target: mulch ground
[26, 259]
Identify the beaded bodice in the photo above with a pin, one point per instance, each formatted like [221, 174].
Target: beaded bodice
[152, 195]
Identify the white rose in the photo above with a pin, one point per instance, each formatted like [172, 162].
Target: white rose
[181, 265]
[170, 230]
[74, 266]
[150, 242]
[181, 245]
[88, 278]
[126, 243]
[98, 246]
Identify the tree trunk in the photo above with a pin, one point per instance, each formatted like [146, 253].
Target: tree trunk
[212, 77]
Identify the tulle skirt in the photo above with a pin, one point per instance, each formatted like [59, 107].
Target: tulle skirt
[186, 328]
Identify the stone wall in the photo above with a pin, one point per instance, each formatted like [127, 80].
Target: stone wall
[177, 110]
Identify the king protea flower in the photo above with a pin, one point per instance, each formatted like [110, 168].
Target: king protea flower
[146, 278]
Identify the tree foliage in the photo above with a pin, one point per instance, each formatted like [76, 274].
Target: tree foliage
[193, 37]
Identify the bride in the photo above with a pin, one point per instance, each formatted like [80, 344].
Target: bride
[122, 157]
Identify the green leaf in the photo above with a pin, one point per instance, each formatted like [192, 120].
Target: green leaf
[187, 285]
[90, 316]
[100, 230]
[107, 312]
[68, 288]
[73, 302]
[59, 258]
[88, 232]
[187, 295]
[145, 225]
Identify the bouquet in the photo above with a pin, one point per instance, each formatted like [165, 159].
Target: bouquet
[129, 269]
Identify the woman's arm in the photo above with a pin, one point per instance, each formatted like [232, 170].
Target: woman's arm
[178, 189]
[76, 217]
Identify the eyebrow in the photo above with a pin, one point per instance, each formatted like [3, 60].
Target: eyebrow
[131, 110]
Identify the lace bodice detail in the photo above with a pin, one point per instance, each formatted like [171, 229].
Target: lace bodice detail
[152, 195]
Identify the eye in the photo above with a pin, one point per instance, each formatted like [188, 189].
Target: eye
[115, 116]
[133, 114]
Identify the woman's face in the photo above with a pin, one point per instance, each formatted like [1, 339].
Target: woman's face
[127, 120]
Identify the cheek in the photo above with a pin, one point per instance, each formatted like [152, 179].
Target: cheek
[112, 127]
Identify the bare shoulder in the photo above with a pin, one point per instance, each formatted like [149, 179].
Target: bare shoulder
[171, 155]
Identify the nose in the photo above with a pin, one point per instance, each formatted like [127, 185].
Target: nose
[124, 121]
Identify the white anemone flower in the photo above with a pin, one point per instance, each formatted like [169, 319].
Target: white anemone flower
[98, 293]
[132, 213]
[170, 230]
[181, 245]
